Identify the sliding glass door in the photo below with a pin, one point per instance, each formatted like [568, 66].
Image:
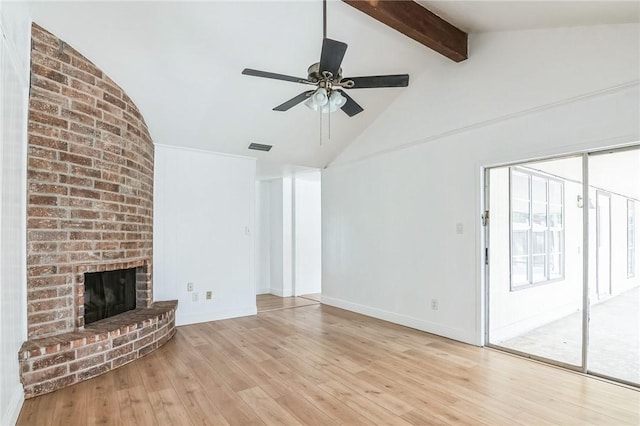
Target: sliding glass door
[614, 291]
[562, 283]
[535, 261]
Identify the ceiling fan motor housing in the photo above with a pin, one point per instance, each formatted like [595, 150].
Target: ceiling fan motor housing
[316, 75]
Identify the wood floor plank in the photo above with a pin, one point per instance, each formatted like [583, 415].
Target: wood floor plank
[70, 408]
[361, 404]
[270, 302]
[306, 412]
[316, 364]
[218, 392]
[267, 408]
[167, 408]
[419, 417]
[199, 408]
[102, 405]
[135, 407]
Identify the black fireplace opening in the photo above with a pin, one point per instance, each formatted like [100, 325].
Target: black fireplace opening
[108, 293]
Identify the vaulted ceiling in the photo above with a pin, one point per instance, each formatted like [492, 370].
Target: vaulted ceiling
[181, 63]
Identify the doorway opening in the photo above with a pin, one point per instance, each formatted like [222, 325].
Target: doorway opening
[288, 237]
[561, 280]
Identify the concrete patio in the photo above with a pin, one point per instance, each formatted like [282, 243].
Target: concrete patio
[614, 346]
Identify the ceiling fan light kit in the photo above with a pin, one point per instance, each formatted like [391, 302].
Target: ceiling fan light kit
[325, 102]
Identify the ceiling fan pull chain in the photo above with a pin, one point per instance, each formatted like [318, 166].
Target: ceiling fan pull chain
[320, 114]
[328, 126]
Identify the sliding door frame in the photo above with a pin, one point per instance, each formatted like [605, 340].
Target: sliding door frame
[586, 305]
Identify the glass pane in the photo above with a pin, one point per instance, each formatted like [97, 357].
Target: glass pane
[539, 190]
[542, 320]
[520, 243]
[520, 185]
[555, 266]
[614, 325]
[540, 214]
[555, 192]
[519, 270]
[555, 216]
[539, 268]
[539, 246]
[555, 241]
[520, 212]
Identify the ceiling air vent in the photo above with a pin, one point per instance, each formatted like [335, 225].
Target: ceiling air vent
[259, 146]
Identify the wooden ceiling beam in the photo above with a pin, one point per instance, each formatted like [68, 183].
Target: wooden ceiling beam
[418, 23]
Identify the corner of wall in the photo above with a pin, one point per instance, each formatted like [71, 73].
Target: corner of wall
[14, 69]
[12, 409]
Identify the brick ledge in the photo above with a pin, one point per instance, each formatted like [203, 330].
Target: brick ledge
[51, 363]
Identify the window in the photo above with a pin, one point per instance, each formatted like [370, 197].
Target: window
[631, 239]
[537, 229]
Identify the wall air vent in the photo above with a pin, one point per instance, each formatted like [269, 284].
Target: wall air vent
[259, 146]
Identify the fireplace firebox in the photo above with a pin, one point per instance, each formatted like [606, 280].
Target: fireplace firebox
[108, 293]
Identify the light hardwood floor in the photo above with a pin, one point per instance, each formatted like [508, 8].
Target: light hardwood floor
[270, 302]
[321, 365]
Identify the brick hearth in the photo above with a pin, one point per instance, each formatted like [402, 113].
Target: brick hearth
[89, 209]
[51, 363]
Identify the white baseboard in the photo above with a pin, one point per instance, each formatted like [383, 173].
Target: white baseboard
[429, 327]
[185, 318]
[12, 410]
[265, 290]
[279, 292]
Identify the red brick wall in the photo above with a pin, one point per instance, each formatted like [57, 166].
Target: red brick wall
[90, 184]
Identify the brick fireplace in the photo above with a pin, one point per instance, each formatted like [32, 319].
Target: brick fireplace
[89, 209]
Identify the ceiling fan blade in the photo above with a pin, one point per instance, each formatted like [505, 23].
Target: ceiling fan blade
[397, 80]
[331, 56]
[294, 101]
[350, 107]
[265, 74]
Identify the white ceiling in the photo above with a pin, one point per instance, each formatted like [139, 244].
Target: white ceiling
[181, 63]
[477, 16]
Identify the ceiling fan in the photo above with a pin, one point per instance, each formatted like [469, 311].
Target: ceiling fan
[326, 75]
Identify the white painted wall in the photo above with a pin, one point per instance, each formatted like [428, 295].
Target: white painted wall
[14, 89]
[507, 73]
[308, 235]
[262, 235]
[389, 215]
[203, 225]
[288, 255]
[280, 236]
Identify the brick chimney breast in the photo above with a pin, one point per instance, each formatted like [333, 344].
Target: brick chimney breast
[89, 210]
[90, 185]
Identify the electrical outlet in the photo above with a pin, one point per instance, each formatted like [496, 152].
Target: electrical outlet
[194, 297]
[434, 304]
[189, 286]
[209, 295]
